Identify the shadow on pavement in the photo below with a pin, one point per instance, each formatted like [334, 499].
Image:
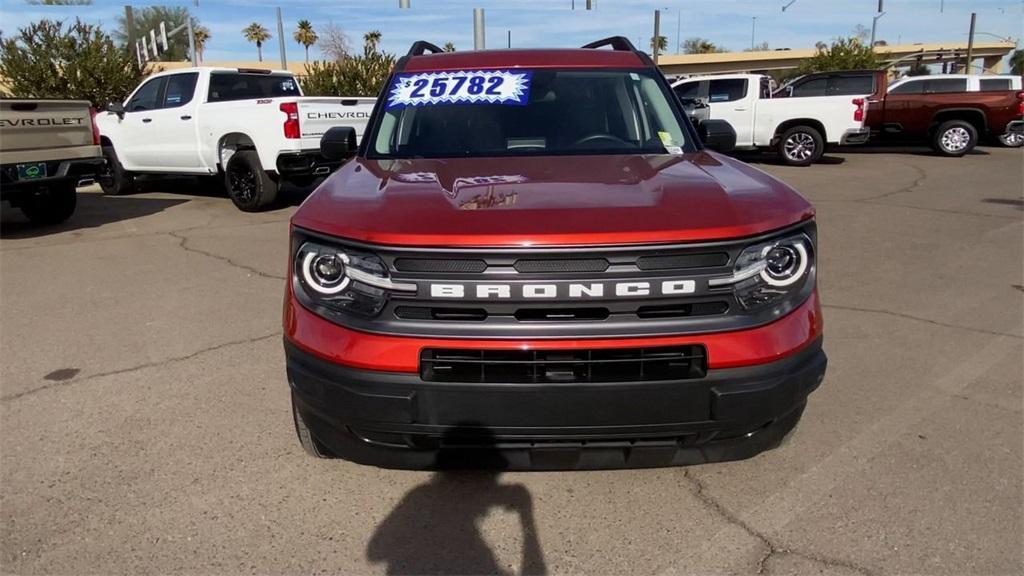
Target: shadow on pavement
[435, 528]
[93, 210]
[1015, 202]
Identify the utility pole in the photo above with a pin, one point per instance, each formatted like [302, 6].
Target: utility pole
[191, 40]
[657, 35]
[679, 41]
[129, 24]
[510, 38]
[753, 30]
[874, 22]
[478, 29]
[280, 40]
[970, 43]
[403, 3]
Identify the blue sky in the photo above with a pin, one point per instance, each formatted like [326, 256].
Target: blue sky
[551, 22]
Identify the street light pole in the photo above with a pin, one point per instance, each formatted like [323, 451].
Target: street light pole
[874, 22]
[656, 37]
[679, 40]
[280, 40]
[753, 30]
[478, 29]
[970, 43]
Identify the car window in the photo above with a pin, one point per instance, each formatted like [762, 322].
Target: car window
[180, 88]
[688, 90]
[727, 90]
[228, 86]
[995, 84]
[851, 85]
[815, 87]
[147, 97]
[909, 87]
[544, 112]
[936, 85]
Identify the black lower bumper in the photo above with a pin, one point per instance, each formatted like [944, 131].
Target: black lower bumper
[305, 164]
[400, 421]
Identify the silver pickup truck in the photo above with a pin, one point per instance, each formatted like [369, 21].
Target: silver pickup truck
[46, 148]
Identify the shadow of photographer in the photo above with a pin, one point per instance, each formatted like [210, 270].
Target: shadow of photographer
[435, 528]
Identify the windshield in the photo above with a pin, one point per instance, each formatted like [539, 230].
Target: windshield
[476, 113]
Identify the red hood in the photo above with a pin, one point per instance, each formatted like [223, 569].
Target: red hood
[549, 201]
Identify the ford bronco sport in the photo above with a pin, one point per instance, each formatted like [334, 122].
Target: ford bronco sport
[533, 255]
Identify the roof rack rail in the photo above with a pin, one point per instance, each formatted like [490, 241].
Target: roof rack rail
[616, 42]
[420, 47]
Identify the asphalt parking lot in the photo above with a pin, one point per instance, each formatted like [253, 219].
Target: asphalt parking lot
[145, 423]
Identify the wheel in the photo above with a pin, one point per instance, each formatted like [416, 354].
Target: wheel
[249, 186]
[51, 204]
[309, 443]
[115, 180]
[801, 146]
[1012, 140]
[954, 138]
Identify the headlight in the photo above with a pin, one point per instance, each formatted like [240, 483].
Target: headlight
[332, 279]
[769, 272]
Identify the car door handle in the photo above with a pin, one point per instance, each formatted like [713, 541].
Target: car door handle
[186, 117]
[147, 120]
[740, 109]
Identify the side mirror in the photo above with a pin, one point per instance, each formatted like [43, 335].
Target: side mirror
[338, 143]
[717, 135]
[116, 108]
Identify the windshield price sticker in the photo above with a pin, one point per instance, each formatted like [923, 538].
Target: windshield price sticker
[460, 87]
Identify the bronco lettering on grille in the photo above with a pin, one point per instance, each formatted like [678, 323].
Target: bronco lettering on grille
[568, 291]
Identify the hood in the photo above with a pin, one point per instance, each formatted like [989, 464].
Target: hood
[550, 201]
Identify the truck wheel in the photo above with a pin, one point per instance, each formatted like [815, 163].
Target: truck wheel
[115, 180]
[1012, 140]
[310, 444]
[249, 186]
[954, 138]
[801, 146]
[52, 204]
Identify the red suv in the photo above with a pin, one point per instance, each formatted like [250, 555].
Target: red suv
[534, 261]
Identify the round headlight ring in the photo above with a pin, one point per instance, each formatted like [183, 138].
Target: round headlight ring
[314, 264]
[793, 270]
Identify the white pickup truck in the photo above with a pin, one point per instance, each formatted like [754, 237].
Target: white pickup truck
[798, 128]
[252, 128]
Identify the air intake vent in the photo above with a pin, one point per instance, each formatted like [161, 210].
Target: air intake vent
[443, 266]
[682, 261]
[561, 266]
[683, 310]
[564, 366]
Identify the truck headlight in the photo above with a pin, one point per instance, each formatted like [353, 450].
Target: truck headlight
[331, 279]
[768, 272]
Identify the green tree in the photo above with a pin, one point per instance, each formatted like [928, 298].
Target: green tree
[660, 44]
[1017, 62]
[918, 69]
[697, 45]
[371, 40]
[49, 60]
[305, 35]
[762, 47]
[842, 54]
[149, 18]
[448, 47]
[255, 32]
[201, 35]
[361, 75]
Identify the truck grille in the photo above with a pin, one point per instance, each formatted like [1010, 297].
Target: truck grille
[563, 366]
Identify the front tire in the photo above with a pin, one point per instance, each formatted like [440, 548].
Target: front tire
[115, 180]
[52, 204]
[954, 138]
[248, 185]
[309, 442]
[801, 146]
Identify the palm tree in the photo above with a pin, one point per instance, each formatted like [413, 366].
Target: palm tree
[1017, 62]
[255, 32]
[449, 47]
[700, 46]
[200, 35]
[305, 35]
[660, 44]
[371, 40]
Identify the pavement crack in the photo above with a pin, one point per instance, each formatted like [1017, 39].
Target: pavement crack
[183, 244]
[771, 548]
[920, 319]
[65, 383]
[921, 177]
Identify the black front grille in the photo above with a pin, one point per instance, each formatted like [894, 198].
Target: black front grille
[453, 266]
[564, 366]
[560, 266]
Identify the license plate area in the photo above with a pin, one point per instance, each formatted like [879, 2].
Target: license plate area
[31, 171]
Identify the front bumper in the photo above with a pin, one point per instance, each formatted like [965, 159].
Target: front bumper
[855, 136]
[397, 420]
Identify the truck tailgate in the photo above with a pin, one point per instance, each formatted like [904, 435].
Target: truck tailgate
[44, 125]
[317, 115]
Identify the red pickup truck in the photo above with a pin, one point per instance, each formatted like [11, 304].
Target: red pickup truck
[950, 120]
